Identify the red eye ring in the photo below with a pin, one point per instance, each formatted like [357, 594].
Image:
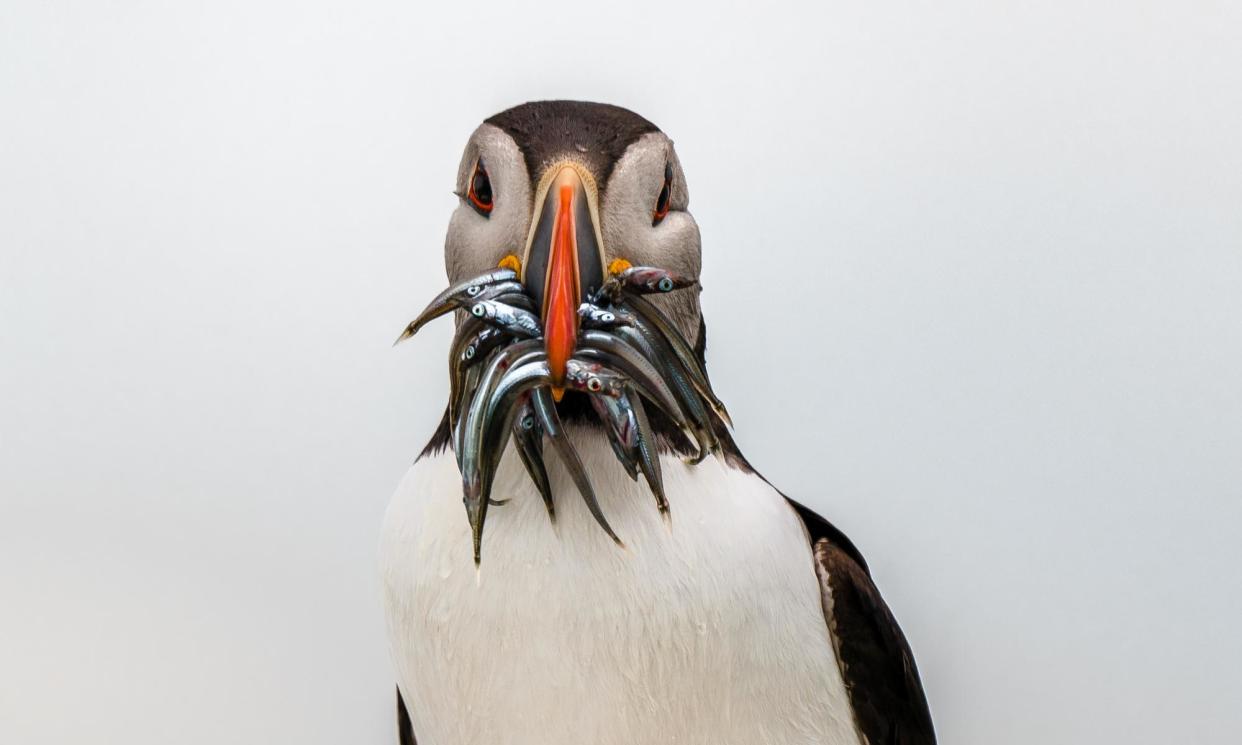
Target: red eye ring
[479, 192]
[664, 198]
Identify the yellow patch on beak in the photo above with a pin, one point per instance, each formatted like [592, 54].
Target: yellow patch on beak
[511, 262]
[618, 265]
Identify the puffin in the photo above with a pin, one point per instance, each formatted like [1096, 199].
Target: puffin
[735, 615]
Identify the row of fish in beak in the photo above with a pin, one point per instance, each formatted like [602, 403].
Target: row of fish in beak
[628, 355]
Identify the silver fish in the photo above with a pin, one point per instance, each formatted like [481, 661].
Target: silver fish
[479, 345]
[528, 436]
[594, 317]
[545, 409]
[510, 293]
[471, 430]
[650, 279]
[591, 377]
[618, 416]
[488, 437]
[655, 325]
[633, 364]
[648, 457]
[451, 298]
[458, 406]
[468, 334]
[507, 318]
[653, 389]
[626, 359]
[698, 429]
[470, 349]
[632, 440]
[466, 354]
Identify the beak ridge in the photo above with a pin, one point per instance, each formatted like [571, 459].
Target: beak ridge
[563, 264]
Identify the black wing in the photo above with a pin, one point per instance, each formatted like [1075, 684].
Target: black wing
[405, 730]
[877, 665]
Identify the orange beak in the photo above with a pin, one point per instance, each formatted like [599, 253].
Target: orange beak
[563, 263]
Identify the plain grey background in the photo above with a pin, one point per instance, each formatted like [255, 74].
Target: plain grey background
[974, 291]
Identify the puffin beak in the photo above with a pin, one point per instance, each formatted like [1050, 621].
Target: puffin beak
[563, 262]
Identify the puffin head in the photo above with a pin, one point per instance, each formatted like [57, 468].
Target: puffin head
[566, 193]
[575, 265]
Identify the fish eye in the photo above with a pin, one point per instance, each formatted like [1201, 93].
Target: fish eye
[470, 352]
[607, 317]
[473, 290]
[594, 385]
[528, 422]
[479, 310]
[480, 192]
[665, 284]
[662, 201]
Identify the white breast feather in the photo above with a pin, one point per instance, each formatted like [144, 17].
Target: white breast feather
[709, 632]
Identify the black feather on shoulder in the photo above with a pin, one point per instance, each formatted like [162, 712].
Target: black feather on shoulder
[877, 665]
[405, 730]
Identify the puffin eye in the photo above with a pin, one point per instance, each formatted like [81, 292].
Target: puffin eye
[480, 193]
[661, 207]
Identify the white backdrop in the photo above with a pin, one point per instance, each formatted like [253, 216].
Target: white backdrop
[974, 291]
